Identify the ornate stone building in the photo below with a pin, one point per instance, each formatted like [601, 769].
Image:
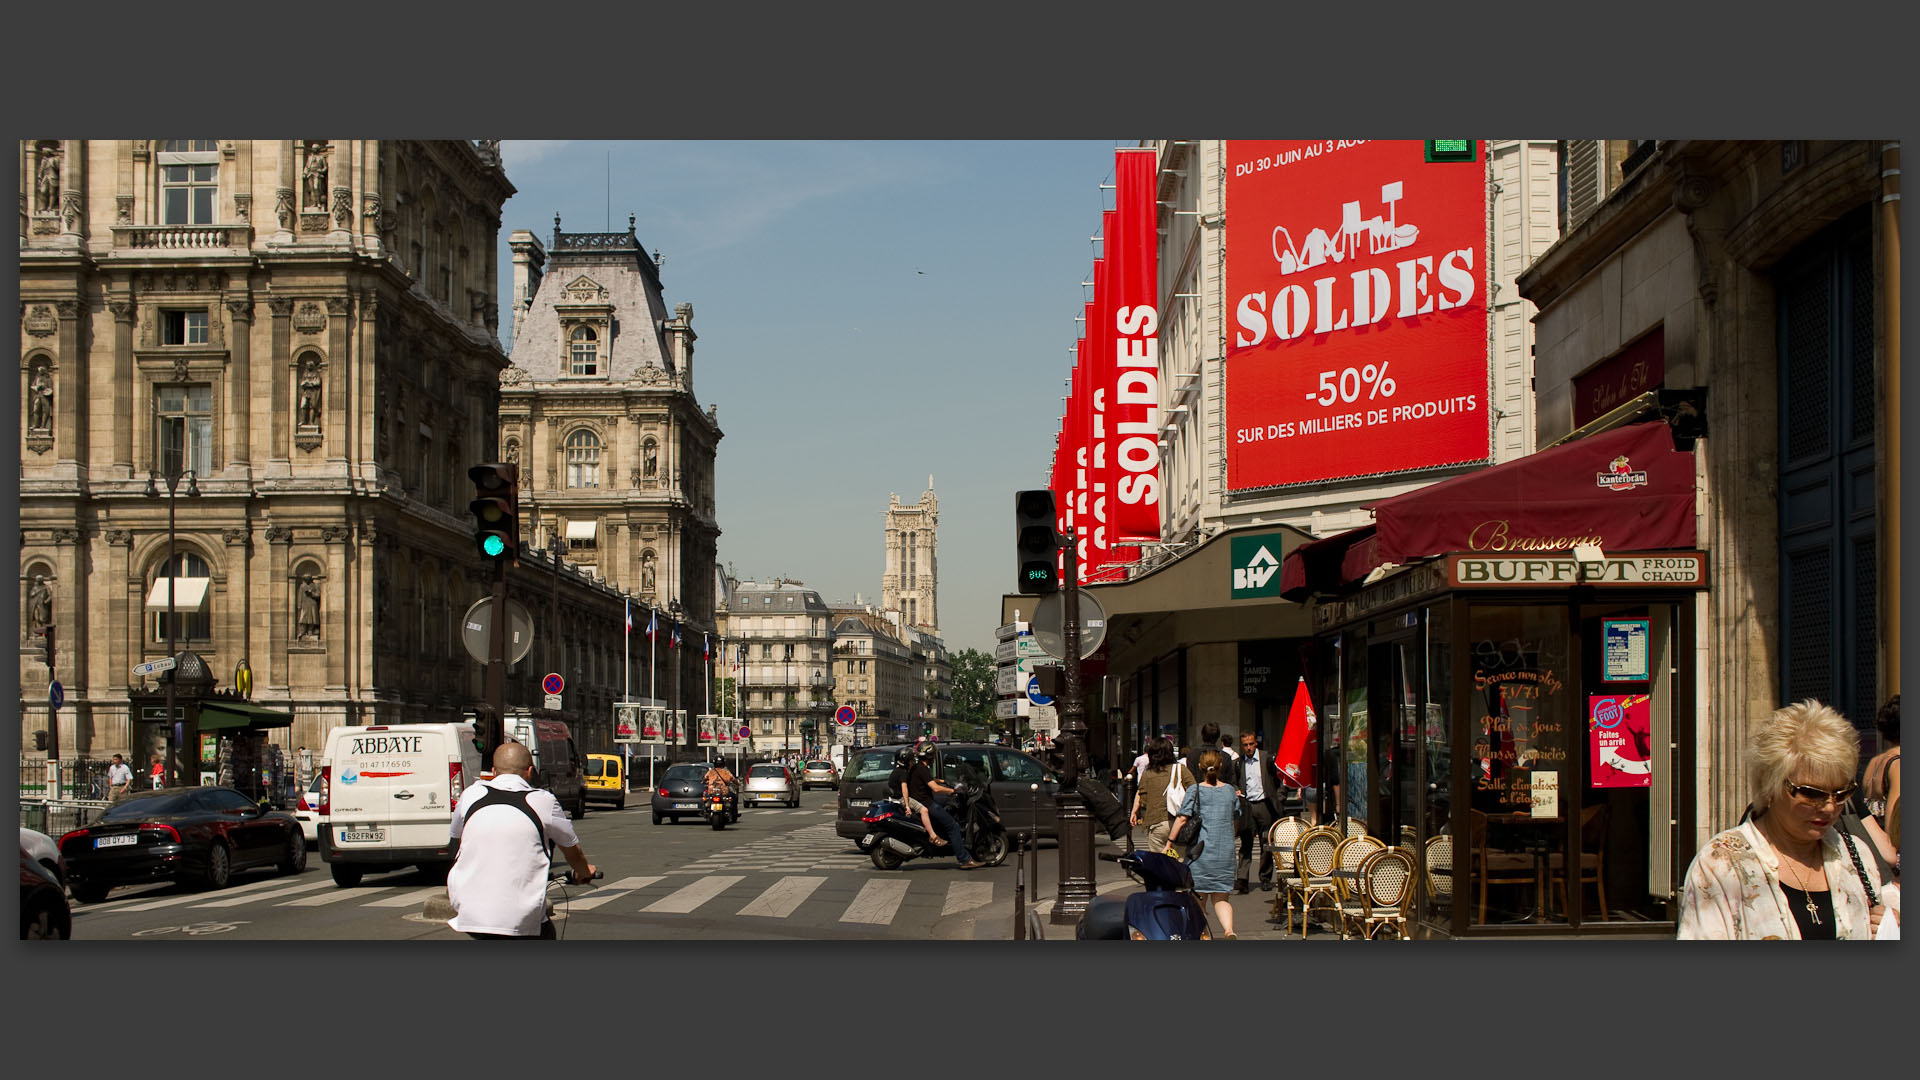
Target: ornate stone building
[616, 453]
[308, 327]
[911, 584]
[784, 633]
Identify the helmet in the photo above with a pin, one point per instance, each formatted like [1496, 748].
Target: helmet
[924, 750]
[903, 757]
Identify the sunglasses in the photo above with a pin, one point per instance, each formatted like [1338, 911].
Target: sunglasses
[1813, 796]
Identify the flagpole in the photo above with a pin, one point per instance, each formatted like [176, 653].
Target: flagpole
[626, 665]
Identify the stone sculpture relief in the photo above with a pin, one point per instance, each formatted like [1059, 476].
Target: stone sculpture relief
[314, 178]
[306, 608]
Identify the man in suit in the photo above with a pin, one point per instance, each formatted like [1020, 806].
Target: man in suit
[1259, 786]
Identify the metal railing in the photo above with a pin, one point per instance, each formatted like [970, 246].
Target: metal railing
[80, 778]
[58, 818]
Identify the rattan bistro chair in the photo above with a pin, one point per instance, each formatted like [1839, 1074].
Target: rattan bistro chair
[1383, 895]
[1314, 863]
[1280, 840]
[1352, 853]
[1439, 872]
[1356, 827]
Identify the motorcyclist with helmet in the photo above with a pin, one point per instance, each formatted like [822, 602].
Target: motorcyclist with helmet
[914, 781]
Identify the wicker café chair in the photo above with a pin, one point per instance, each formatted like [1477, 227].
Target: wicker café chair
[1280, 840]
[1356, 827]
[1439, 872]
[1314, 863]
[1385, 894]
[1353, 851]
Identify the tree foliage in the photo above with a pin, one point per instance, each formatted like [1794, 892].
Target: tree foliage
[973, 688]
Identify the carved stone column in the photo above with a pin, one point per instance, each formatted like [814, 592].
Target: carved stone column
[70, 408]
[122, 306]
[115, 562]
[339, 417]
[271, 665]
[279, 405]
[240, 383]
[73, 179]
[240, 599]
[337, 627]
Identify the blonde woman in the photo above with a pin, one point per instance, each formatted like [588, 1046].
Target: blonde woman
[1788, 872]
[1217, 805]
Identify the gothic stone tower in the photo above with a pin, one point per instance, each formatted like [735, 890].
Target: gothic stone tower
[911, 583]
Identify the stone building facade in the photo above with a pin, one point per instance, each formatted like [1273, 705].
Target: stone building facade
[309, 328]
[876, 673]
[782, 634]
[911, 582]
[616, 454]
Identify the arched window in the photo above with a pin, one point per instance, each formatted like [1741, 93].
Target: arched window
[192, 621]
[586, 351]
[583, 459]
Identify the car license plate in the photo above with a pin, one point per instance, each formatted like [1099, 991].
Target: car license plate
[771, 797]
[686, 806]
[859, 804]
[115, 841]
[361, 836]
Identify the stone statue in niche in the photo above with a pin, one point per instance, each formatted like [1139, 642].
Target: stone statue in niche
[314, 179]
[39, 605]
[283, 207]
[48, 184]
[646, 573]
[306, 608]
[309, 411]
[40, 399]
[652, 466]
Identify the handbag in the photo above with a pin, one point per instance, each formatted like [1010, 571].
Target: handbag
[1176, 792]
[1189, 834]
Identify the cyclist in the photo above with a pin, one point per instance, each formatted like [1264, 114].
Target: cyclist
[498, 886]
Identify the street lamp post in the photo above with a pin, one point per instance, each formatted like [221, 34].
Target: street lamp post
[172, 478]
[786, 687]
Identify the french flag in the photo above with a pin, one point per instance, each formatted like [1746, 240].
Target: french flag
[706, 649]
[629, 618]
[674, 642]
[653, 624]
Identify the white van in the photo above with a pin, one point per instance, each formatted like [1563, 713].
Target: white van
[387, 794]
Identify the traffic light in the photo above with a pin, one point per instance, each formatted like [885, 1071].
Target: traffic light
[496, 509]
[1036, 542]
[40, 739]
[1049, 681]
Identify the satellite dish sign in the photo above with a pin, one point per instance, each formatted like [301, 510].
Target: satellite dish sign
[1049, 622]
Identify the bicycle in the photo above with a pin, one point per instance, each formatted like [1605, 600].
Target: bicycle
[559, 878]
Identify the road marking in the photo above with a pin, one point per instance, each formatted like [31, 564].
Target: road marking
[236, 901]
[172, 901]
[967, 895]
[879, 899]
[335, 897]
[408, 899]
[1046, 906]
[694, 894]
[786, 894]
[607, 893]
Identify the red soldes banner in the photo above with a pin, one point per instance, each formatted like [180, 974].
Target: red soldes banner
[1357, 329]
[1132, 375]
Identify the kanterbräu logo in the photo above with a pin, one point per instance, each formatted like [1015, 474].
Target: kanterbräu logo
[1620, 476]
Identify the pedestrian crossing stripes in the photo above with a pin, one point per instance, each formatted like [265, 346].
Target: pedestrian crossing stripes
[173, 901]
[879, 899]
[408, 899]
[811, 848]
[694, 894]
[336, 896]
[610, 892]
[786, 894]
[236, 901]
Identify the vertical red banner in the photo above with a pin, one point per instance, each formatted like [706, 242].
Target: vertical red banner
[1132, 376]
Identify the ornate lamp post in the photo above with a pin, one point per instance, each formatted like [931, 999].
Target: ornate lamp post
[173, 478]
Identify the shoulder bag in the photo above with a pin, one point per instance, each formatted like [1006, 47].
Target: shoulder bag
[1176, 791]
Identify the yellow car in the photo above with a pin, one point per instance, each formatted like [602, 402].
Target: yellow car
[605, 780]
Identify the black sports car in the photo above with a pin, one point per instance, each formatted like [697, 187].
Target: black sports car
[201, 834]
[43, 903]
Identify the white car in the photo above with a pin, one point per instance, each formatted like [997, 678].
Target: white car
[307, 811]
[45, 852]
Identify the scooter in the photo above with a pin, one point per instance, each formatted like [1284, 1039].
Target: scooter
[1166, 910]
[714, 804]
[895, 836]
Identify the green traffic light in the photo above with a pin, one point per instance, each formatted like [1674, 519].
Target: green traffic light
[493, 545]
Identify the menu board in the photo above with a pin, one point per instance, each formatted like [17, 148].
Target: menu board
[1624, 644]
[1521, 737]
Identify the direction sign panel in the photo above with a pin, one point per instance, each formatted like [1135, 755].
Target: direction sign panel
[1044, 719]
[155, 667]
[56, 695]
[553, 683]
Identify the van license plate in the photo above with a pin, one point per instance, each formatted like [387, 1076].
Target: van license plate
[859, 804]
[115, 841]
[362, 836]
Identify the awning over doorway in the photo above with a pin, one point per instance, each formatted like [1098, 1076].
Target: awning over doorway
[193, 593]
[1626, 489]
[237, 714]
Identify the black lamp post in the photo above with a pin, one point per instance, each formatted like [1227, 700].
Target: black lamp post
[173, 478]
[786, 686]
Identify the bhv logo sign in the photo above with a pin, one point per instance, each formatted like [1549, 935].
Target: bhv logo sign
[1256, 566]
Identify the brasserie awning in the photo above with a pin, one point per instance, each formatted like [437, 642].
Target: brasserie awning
[1626, 489]
[238, 714]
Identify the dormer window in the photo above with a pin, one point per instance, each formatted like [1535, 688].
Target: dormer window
[586, 351]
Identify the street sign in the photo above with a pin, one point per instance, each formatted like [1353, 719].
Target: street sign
[1044, 719]
[476, 628]
[744, 732]
[553, 684]
[155, 667]
[553, 702]
[1033, 692]
[843, 716]
[1049, 622]
[56, 695]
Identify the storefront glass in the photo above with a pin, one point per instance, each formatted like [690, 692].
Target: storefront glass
[1439, 850]
[1521, 726]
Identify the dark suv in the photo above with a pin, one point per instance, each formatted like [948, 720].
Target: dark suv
[1011, 775]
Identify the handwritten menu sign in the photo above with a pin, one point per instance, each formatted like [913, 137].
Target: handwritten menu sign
[1521, 745]
[1545, 790]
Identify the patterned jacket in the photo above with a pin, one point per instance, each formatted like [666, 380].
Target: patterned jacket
[1732, 891]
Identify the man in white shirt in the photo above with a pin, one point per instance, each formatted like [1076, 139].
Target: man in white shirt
[498, 886]
[119, 779]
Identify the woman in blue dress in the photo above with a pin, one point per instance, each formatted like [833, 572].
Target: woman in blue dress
[1216, 804]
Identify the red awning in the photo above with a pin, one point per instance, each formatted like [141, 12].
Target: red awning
[1626, 489]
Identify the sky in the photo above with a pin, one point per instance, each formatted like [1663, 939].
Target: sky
[868, 314]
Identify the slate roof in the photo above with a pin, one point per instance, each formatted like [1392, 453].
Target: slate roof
[617, 263]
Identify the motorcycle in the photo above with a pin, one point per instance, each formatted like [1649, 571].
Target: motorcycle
[1166, 910]
[895, 836]
[714, 805]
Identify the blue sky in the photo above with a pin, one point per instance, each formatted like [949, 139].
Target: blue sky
[868, 313]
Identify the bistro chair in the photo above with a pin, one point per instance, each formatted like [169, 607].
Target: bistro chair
[1280, 840]
[1353, 852]
[1409, 836]
[1593, 843]
[1497, 867]
[1439, 872]
[1314, 863]
[1356, 827]
[1384, 894]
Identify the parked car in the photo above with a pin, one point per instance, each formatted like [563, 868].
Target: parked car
[45, 852]
[44, 913]
[201, 834]
[820, 773]
[1009, 773]
[678, 793]
[606, 780]
[306, 810]
[771, 783]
